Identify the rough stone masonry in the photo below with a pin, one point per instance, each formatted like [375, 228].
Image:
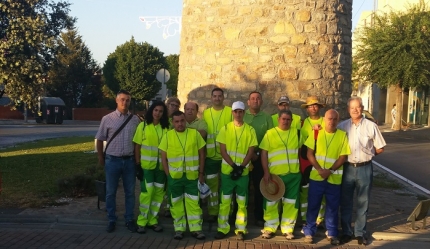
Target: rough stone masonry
[278, 47]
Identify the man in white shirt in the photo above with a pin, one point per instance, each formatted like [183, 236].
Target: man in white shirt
[365, 141]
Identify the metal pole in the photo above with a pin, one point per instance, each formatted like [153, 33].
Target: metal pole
[25, 113]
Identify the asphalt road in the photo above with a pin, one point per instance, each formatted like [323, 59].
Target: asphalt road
[14, 133]
[408, 154]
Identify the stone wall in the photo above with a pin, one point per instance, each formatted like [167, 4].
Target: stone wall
[278, 47]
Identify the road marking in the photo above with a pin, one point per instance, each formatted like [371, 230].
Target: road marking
[402, 178]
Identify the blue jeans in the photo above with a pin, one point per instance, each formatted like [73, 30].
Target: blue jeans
[318, 189]
[360, 180]
[116, 167]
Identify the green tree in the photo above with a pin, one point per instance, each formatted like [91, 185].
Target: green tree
[72, 73]
[28, 29]
[173, 67]
[395, 51]
[133, 67]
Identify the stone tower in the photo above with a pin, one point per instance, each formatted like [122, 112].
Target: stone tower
[278, 47]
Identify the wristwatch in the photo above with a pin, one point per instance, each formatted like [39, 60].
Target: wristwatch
[332, 170]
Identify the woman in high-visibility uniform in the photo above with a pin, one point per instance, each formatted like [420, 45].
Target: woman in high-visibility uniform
[147, 139]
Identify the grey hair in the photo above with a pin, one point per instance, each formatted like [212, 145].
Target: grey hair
[356, 98]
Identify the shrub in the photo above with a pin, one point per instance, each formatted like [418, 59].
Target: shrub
[82, 184]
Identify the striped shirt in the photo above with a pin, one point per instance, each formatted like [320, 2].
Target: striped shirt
[122, 144]
[363, 138]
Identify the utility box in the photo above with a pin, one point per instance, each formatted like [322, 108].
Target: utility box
[51, 110]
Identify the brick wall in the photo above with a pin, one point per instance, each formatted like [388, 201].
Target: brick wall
[7, 113]
[94, 114]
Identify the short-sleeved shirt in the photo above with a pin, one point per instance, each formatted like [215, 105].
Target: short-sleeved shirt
[296, 123]
[122, 144]
[237, 141]
[183, 139]
[332, 145]
[282, 147]
[329, 147]
[363, 139]
[284, 140]
[149, 137]
[261, 122]
[198, 124]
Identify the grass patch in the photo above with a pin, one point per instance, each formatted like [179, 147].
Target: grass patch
[31, 172]
[382, 180]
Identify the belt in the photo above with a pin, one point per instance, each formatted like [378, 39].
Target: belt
[123, 157]
[359, 164]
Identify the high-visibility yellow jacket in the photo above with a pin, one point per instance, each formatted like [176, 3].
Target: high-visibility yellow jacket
[182, 150]
[330, 146]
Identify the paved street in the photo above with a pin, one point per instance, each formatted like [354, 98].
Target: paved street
[407, 153]
[13, 132]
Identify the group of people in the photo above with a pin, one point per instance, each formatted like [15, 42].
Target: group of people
[319, 161]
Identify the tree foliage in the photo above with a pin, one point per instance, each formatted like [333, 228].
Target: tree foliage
[133, 67]
[27, 32]
[395, 50]
[173, 67]
[72, 73]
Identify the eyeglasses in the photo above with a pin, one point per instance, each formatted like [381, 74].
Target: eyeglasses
[174, 105]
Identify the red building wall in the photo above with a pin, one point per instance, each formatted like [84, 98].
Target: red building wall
[7, 113]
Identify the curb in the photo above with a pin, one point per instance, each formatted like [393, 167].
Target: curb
[401, 236]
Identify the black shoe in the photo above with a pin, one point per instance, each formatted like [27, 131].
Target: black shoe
[131, 226]
[111, 227]
[334, 241]
[220, 235]
[240, 236]
[360, 240]
[345, 238]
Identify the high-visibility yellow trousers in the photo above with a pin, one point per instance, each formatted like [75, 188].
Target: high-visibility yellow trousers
[212, 171]
[227, 187]
[290, 206]
[151, 196]
[184, 204]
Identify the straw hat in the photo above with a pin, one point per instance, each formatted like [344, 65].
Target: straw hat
[274, 190]
[312, 100]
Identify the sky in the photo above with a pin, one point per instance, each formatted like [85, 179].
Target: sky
[106, 24]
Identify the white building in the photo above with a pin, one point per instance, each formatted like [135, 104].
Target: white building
[380, 101]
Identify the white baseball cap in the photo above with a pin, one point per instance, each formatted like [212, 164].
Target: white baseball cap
[238, 105]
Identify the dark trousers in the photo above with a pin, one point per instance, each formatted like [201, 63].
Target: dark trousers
[257, 175]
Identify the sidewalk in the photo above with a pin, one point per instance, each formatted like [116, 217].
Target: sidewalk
[81, 224]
